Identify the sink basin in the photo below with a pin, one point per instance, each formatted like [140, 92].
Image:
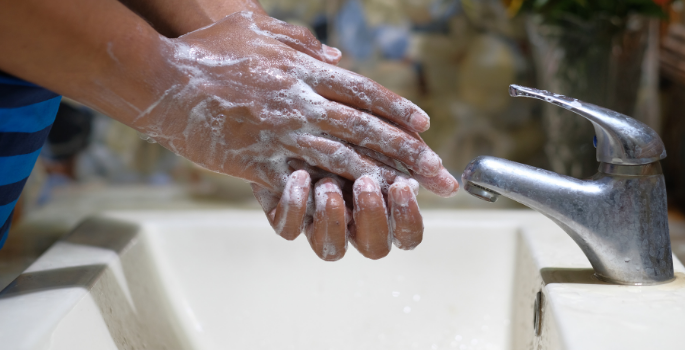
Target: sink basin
[223, 280]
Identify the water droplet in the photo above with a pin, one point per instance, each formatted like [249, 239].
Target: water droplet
[457, 337]
[626, 260]
[416, 297]
[407, 309]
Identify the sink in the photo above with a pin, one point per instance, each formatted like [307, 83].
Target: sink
[221, 279]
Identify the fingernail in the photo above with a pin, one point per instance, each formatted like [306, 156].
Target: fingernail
[366, 184]
[429, 163]
[420, 121]
[401, 194]
[331, 53]
[414, 185]
[449, 191]
[300, 178]
[411, 183]
[327, 185]
[446, 185]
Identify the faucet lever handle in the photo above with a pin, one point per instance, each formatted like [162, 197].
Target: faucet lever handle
[621, 139]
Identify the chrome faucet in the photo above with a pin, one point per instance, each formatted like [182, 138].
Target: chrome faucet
[618, 217]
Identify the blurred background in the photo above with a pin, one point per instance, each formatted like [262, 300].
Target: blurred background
[453, 58]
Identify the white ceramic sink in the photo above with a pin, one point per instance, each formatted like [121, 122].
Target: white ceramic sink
[223, 280]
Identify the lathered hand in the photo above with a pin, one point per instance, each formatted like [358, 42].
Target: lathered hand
[250, 102]
[263, 99]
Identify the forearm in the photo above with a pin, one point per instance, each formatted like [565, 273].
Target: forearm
[174, 18]
[97, 52]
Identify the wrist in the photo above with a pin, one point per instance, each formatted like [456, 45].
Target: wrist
[138, 75]
[174, 18]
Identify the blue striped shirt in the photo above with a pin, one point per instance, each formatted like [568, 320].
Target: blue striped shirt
[27, 112]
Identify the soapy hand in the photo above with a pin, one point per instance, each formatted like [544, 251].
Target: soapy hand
[249, 102]
[255, 101]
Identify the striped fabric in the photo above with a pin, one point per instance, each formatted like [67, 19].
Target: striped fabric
[27, 112]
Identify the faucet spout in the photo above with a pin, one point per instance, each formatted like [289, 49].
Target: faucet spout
[530, 186]
[618, 221]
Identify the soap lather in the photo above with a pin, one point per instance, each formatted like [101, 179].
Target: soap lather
[618, 217]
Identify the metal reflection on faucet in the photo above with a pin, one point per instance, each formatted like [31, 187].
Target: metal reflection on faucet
[618, 217]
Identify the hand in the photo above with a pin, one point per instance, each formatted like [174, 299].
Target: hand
[252, 100]
[333, 216]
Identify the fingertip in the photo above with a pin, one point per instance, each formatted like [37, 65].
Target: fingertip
[443, 184]
[377, 254]
[331, 54]
[412, 183]
[400, 193]
[300, 178]
[429, 163]
[366, 183]
[420, 121]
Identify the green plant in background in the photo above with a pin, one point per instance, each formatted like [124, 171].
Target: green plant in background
[558, 11]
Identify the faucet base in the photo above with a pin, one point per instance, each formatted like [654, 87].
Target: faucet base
[613, 281]
[631, 170]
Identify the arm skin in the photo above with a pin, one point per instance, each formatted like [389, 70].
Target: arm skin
[96, 52]
[174, 18]
[102, 54]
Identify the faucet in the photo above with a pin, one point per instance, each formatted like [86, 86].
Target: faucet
[618, 217]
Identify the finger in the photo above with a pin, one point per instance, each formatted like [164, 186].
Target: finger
[327, 235]
[355, 90]
[393, 163]
[287, 215]
[298, 38]
[342, 160]
[365, 130]
[406, 223]
[444, 184]
[292, 206]
[371, 235]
